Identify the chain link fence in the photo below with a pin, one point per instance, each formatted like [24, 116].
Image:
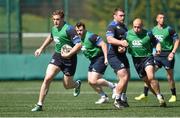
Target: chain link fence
[25, 23]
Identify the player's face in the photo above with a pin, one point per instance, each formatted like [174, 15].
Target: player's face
[57, 20]
[119, 16]
[80, 30]
[137, 27]
[160, 19]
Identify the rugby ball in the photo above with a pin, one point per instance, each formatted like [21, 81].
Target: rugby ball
[66, 48]
[121, 49]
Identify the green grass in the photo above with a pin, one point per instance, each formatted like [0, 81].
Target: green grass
[17, 98]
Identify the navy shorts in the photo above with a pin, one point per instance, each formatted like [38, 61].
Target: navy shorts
[68, 66]
[97, 65]
[118, 62]
[140, 64]
[163, 61]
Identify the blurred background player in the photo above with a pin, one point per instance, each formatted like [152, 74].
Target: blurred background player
[61, 34]
[95, 49]
[169, 43]
[117, 58]
[141, 43]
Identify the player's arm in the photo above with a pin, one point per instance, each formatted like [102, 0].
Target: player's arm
[99, 42]
[175, 38]
[155, 43]
[111, 40]
[47, 41]
[76, 41]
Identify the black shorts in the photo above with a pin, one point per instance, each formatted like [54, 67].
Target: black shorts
[118, 62]
[68, 66]
[97, 65]
[163, 61]
[140, 64]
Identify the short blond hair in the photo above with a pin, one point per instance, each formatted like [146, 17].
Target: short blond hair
[58, 12]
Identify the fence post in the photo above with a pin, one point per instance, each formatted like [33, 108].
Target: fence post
[19, 25]
[126, 12]
[8, 14]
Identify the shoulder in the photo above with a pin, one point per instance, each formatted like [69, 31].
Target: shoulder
[112, 24]
[92, 35]
[170, 29]
[69, 27]
[130, 32]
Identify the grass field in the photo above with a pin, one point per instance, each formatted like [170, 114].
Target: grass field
[17, 98]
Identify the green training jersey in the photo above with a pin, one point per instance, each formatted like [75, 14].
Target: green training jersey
[140, 45]
[165, 36]
[90, 46]
[64, 35]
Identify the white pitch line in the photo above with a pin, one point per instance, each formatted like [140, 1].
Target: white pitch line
[68, 92]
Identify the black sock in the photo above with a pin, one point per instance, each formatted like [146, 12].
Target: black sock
[173, 91]
[146, 89]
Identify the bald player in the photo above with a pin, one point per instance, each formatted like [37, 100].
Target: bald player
[169, 40]
[141, 43]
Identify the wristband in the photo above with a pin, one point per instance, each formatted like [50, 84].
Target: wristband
[173, 53]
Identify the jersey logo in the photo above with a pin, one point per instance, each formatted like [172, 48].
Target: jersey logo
[137, 43]
[83, 48]
[56, 39]
[75, 37]
[160, 37]
[122, 65]
[52, 60]
[118, 27]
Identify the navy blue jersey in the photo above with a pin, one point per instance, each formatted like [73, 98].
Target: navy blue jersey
[116, 30]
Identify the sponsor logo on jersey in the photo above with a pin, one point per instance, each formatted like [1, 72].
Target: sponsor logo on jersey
[83, 48]
[56, 39]
[159, 37]
[137, 43]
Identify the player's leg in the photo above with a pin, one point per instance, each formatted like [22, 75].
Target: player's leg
[69, 67]
[93, 78]
[69, 83]
[144, 95]
[170, 77]
[154, 84]
[51, 71]
[123, 77]
[104, 83]
[121, 67]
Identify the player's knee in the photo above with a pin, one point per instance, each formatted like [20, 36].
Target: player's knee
[92, 82]
[47, 80]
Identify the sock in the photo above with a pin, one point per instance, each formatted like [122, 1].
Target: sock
[159, 96]
[146, 89]
[111, 85]
[39, 103]
[118, 96]
[123, 97]
[173, 91]
[102, 94]
[76, 84]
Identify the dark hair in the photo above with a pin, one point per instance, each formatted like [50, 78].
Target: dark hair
[58, 12]
[117, 9]
[79, 24]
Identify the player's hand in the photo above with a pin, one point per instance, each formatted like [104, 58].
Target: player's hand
[38, 52]
[158, 49]
[124, 43]
[158, 52]
[106, 61]
[121, 49]
[171, 56]
[66, 55]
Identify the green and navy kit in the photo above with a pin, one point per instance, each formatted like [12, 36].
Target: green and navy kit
[140, 45]
[64, 35]
[90, 46]
[116, 30]
[166, 36]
